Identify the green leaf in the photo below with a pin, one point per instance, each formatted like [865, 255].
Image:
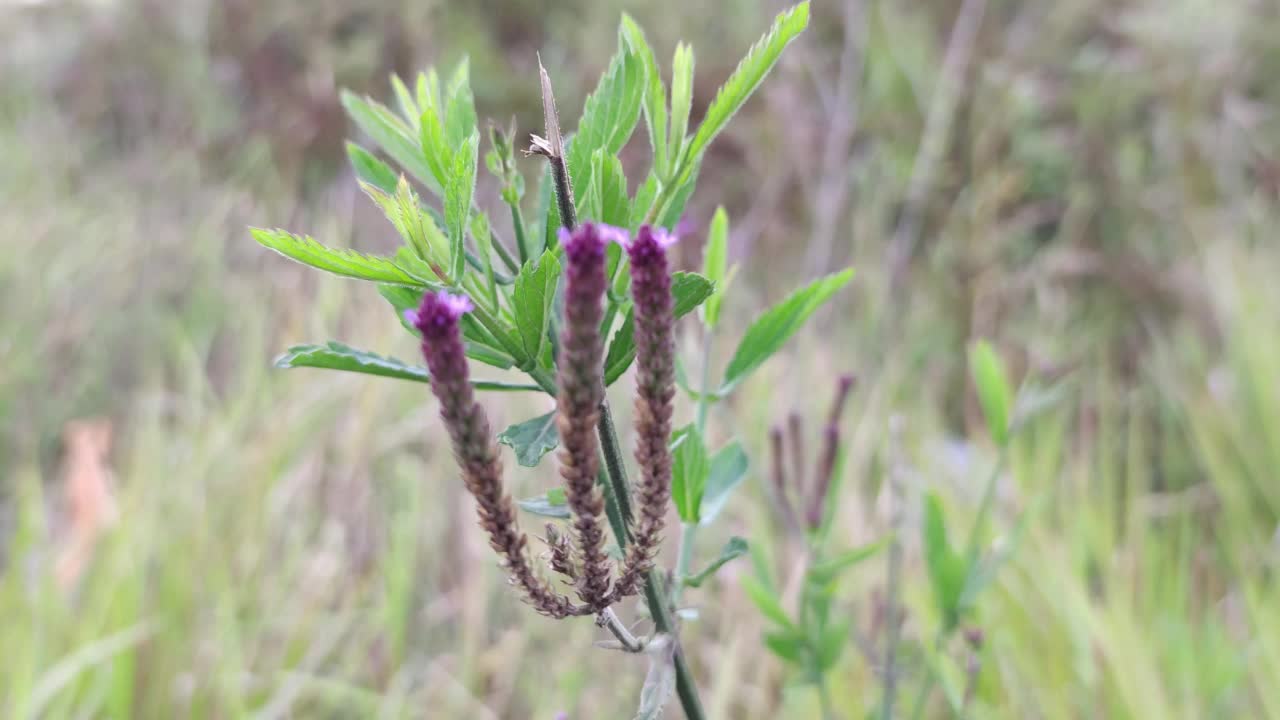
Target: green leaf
[735, 548]
[609, 184]
[728, 468]
[825, 571]
[715, 260]
[435, 150]
[608, 117]
[552, 504]
[776, 325]
[655, 95]
[688, 290]
[946, 568]
[392, 135]
[457, 204]
[747, 77]
[788, 645]
[347, 263]
[766, 601]
[640, 204]
[371, 170]
[831, 644]
[535, 289]
[337, 356]
[994, 392]
[460, 112]
[405, 101]
[532, 438]
[689, 470]
[681, 96]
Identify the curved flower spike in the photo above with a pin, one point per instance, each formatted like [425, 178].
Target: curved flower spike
[473, 446]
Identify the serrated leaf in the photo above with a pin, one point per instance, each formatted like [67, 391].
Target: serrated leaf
[405, 101]
[715, 261]
[608, 117]
[946, 568]
[337, 356]
[552, 504]
[825, 571]
[339, 261]
[457, 203]
[655, 96]
[369, 169]
[460, 110]
[728, 469]
[994, 392]
[735, 548]
[776, 325]
[609, 184]
[437, 153]
[392, 135]
[753, 68]
[689, 469]
[532, 438]
[768, 603]
[688, 290]
[535, 290]
[681, 96]
[643, 201]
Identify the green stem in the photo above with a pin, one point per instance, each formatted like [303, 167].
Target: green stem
[654, 593]
[923, 698]
[504, 254]
[522, 239]
[824, 698]
[614, 465]
[688, 531]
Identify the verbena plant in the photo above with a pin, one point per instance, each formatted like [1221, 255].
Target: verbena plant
[583, 291]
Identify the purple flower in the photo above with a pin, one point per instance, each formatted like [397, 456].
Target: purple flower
[474, 448]
[438, 312]
[581, 391]
[655, 387]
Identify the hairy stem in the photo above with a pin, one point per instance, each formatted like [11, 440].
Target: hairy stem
[654, 592]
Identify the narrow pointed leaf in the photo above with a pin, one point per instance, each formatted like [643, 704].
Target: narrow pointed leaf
[681, 96]
[457, 204]
[339, 261]
[655, 95]
[392, 135]
[753, 68]
[715, 260]
[994, 392]
[337, 356]
[776, 325]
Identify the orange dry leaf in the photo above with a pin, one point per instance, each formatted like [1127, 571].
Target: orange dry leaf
[87, 483]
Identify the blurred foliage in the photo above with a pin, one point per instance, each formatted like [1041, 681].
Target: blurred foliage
[1103, 211]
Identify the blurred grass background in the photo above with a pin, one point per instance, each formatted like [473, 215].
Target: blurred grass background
[296, 544]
